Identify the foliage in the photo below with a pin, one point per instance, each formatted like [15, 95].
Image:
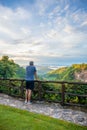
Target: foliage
[76, 89]
[20, 72]
[9, 69]
[6, 67]
[68, 74]
[47, 91]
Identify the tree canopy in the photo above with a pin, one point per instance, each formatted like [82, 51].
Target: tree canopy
[9, 69]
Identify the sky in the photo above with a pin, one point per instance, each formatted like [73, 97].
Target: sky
[50, 32]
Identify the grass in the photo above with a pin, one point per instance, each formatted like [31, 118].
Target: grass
[16, 119]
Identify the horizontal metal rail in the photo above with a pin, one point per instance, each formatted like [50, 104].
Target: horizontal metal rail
[41, 91]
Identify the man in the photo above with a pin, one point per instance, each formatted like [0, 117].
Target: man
[30, 74]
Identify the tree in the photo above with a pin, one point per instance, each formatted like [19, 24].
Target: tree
[8, 69]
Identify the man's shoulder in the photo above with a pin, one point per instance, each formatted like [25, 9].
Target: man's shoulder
[31, 67]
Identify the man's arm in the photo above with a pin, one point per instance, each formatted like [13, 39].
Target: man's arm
[36, 77]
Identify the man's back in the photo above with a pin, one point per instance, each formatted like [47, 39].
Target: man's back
[30, 71]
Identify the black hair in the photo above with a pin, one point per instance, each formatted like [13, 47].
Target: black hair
[31, 62]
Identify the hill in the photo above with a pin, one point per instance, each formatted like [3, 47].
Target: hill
[75, 72]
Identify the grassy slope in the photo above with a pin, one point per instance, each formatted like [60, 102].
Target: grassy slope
[15, 119]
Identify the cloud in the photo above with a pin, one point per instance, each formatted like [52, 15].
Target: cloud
[49, 31]
[12, 22]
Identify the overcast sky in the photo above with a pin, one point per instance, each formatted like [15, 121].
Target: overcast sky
[45, 31]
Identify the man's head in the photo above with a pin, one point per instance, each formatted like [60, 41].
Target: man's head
[31, 63]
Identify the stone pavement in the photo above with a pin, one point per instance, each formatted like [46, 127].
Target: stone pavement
[54, 110]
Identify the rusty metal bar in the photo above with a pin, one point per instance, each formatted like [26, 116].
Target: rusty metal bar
[63, 94]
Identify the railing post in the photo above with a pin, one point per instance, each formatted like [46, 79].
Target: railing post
[9, 88]
[39, 90]
[63, 94]
[22, 88]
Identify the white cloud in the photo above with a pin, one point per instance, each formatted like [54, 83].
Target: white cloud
[12, 22]
[84, 23]
[14, 14]
[68, 29]
[49, 30]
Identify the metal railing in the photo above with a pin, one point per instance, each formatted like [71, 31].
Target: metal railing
[63, 93]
